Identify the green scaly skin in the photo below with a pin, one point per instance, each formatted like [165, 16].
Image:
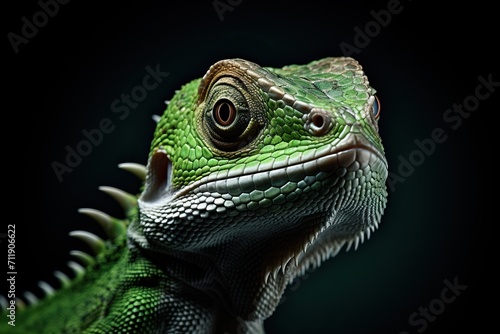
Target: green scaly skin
[254, 175]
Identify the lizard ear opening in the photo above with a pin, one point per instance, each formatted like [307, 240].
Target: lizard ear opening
[159, 176]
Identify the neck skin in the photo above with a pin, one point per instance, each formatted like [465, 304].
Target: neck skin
[214, 285]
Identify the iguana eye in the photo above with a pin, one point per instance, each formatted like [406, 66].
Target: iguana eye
[227, 120]
[224, 112]
[231, 118]
[229, 124]
[376, 108]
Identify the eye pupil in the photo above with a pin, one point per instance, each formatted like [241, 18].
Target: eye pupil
[224, 113]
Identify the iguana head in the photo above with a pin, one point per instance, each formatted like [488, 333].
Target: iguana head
[256, 174]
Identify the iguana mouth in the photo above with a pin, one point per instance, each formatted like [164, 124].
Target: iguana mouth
[353, 153]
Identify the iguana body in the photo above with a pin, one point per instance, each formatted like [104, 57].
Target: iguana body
[254, 175]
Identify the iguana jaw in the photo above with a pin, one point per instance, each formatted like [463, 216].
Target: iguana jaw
[284, 249]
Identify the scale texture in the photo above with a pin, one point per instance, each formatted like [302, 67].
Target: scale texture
[254, 176]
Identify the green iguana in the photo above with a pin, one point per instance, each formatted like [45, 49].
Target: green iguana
[255, 175]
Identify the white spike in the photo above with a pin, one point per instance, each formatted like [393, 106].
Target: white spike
[368, 233]
[285, 263]
[266, 279]
[156, 118]
[305, 247]
[82, 256]
[65, 281]
[318, 259]
[49, 291]
[336, 250]
[95, 243]
[112, 226]
[126, 200]
[349, 245]
[324, 254]
[275, 273]
[356, 242]
[30, 297]
[342, 244]
[78, 269]
[136, 169]
[101, 217]
[296, 259]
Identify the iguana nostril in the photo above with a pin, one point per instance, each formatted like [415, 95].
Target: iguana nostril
[318, 122]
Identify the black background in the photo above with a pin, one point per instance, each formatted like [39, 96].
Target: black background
[425, 60]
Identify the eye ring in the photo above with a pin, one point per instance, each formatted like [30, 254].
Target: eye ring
[376, 108]
[224, 113]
